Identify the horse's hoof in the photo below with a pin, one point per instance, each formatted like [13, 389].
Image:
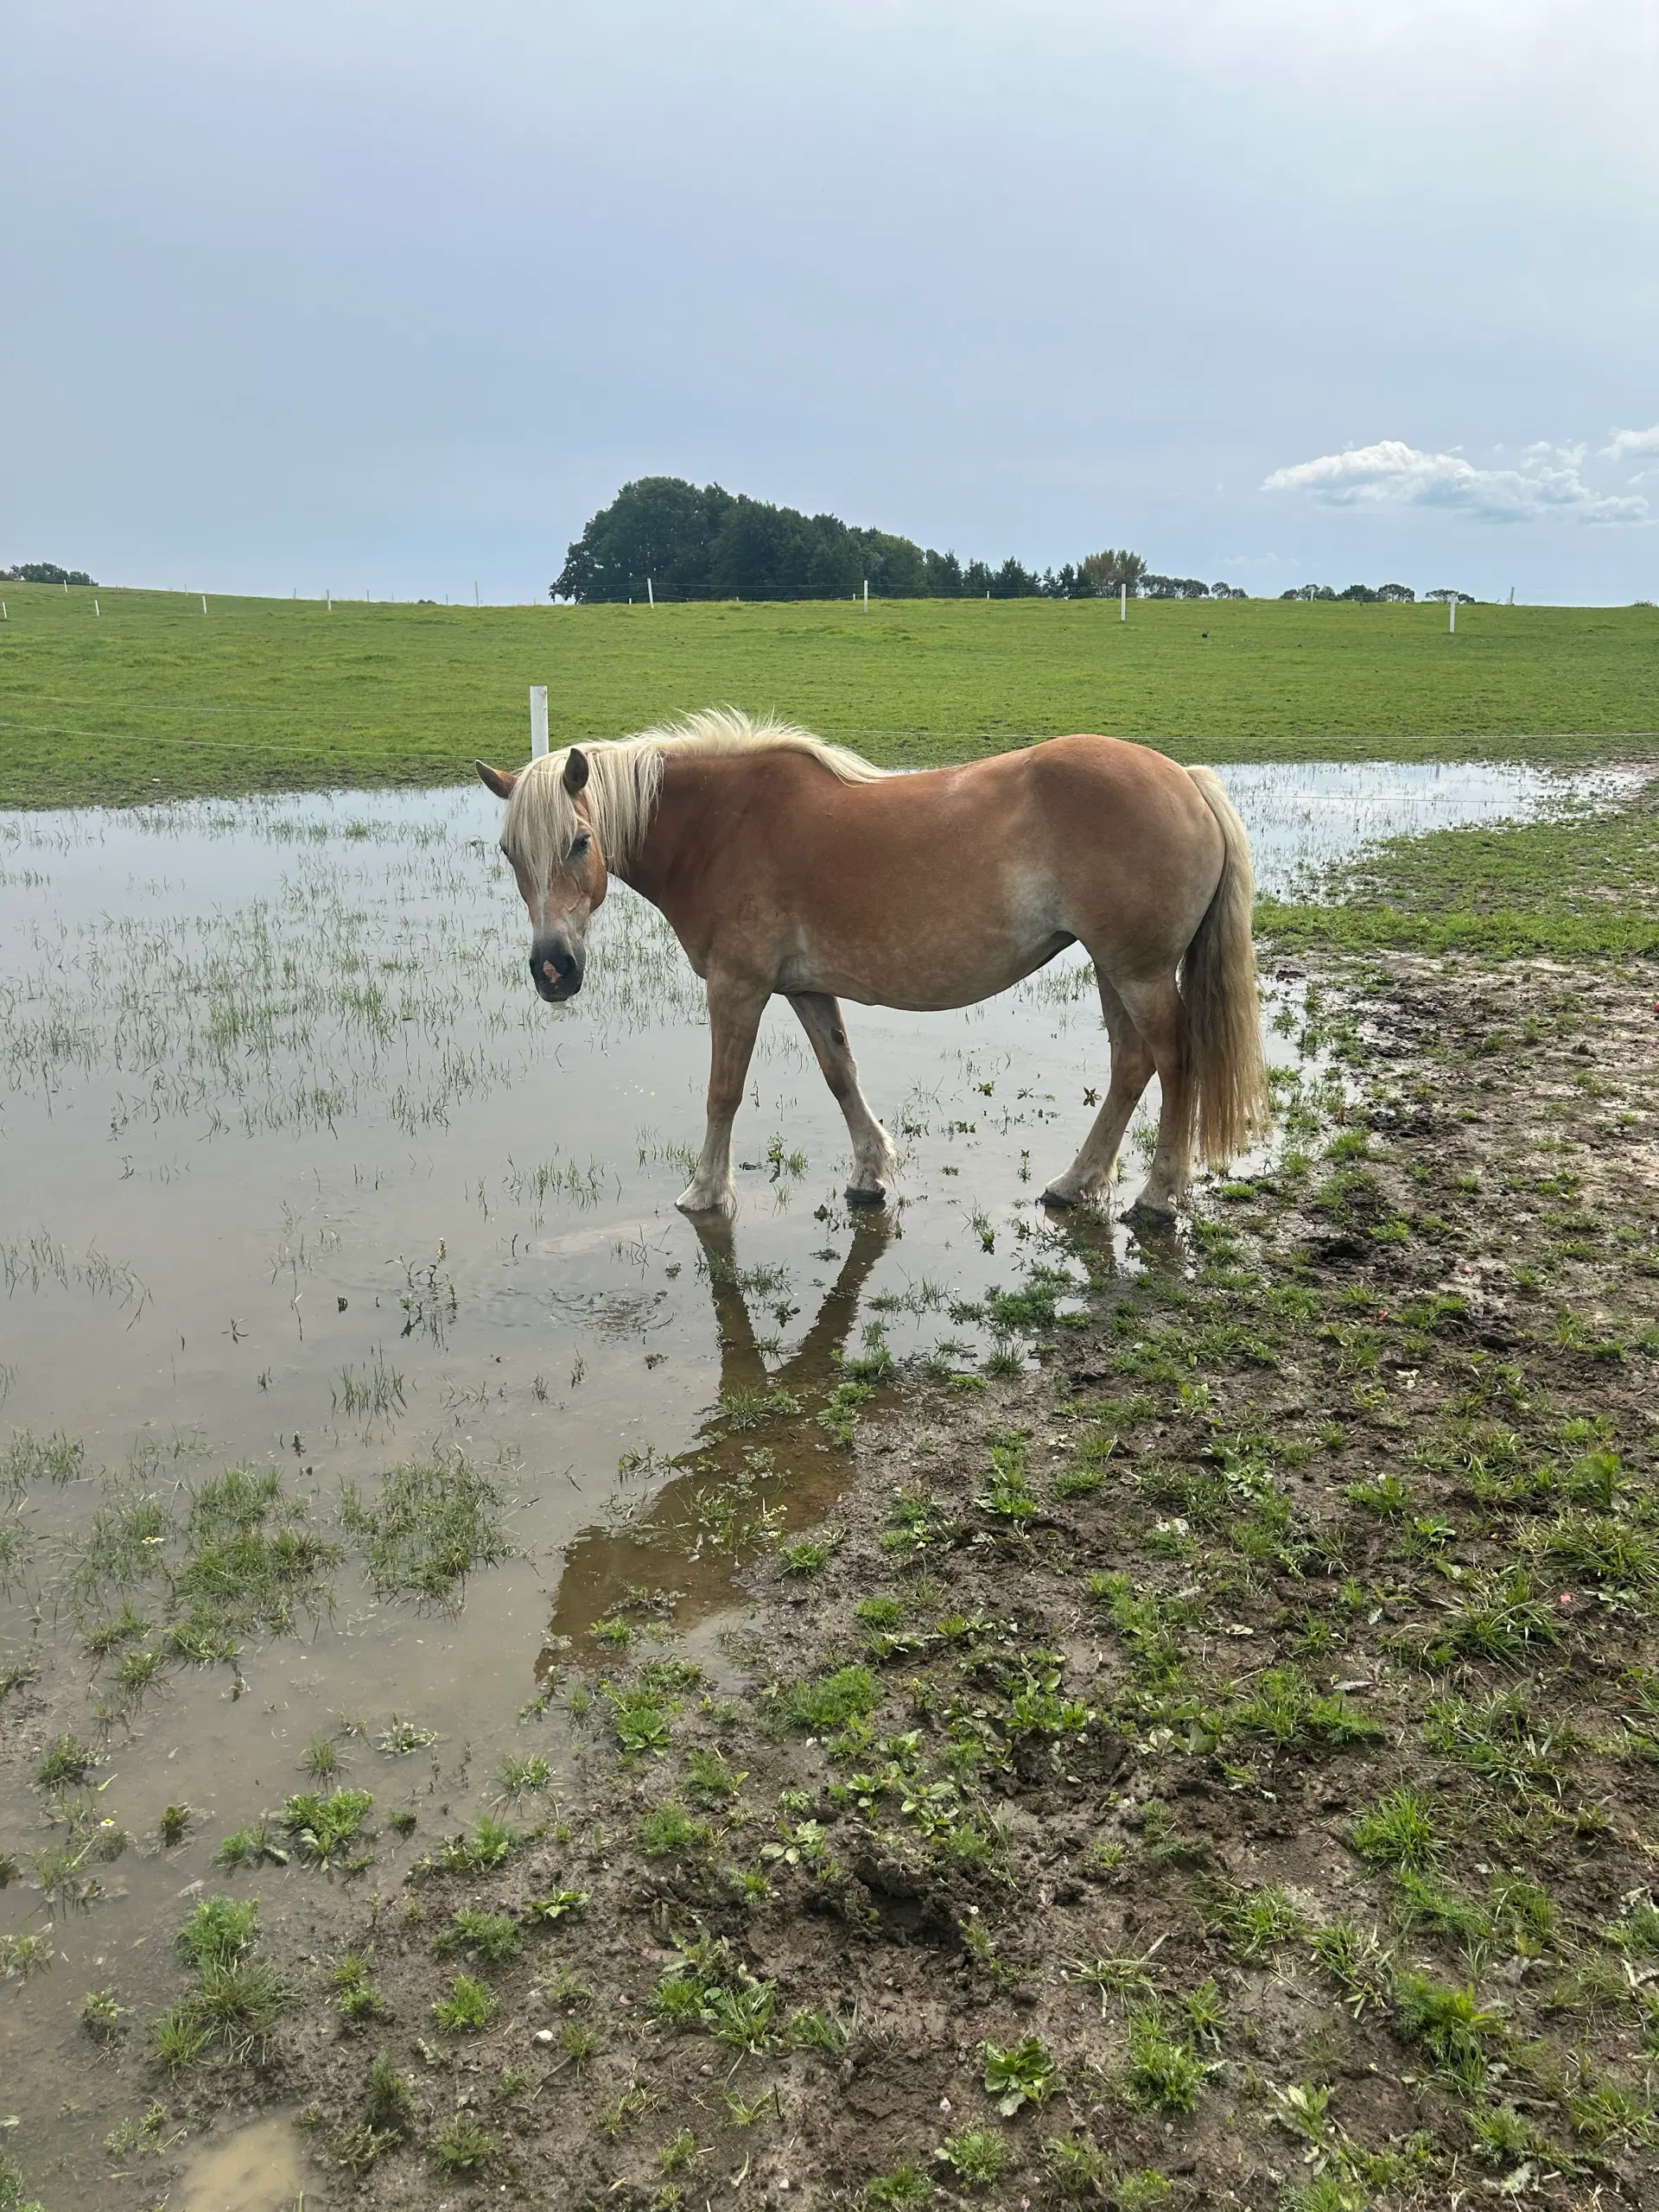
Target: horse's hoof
[694, 1201]
[1149, 1213]
[1062, 1200]
[867, 1194]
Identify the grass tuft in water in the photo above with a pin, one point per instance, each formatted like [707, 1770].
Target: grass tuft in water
[432, 1523]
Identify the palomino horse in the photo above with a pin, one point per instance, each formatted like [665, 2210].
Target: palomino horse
[787, 865]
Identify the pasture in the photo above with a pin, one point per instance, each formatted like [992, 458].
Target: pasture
[152, 699]
[569, 1701]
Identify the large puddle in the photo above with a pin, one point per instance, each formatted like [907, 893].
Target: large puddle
[296, 1173]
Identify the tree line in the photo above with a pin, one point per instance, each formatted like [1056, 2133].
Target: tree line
[45, 572]
[684, 541]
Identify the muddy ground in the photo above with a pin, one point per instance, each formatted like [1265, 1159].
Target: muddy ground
[1218, 1763]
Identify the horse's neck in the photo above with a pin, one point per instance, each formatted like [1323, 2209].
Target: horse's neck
[672, 831]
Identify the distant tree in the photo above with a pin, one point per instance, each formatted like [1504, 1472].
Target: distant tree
[1175, 588]
[1309, 591]
[1445, 592]
[1014, 581]
[1227, 591]
[1396, 594]
[944, 573]
[686, 540]
[44, 572]
[1362, 594]
[658, 527]
[1110, 572]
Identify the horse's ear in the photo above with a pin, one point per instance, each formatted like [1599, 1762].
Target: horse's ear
[575, 771]
[499, 780]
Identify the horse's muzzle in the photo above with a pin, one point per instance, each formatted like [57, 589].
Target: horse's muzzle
[557, 971]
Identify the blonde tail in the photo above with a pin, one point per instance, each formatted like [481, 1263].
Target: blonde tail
[1225, 1065]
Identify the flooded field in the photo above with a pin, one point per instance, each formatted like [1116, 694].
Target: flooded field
[360, 1382]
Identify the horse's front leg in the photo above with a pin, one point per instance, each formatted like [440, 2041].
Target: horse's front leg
[735, 1011]
[875, 1161]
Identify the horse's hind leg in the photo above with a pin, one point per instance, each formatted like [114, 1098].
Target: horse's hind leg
[735, 1011]
[1090, 1172]
[874, 1159]
[1155, 1008]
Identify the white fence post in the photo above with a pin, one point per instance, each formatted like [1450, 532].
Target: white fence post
[538, 720]
[866, 595]
[650, 596]
[1123, 602]
[1451, 609]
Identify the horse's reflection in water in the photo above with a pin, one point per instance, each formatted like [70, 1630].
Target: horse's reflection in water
[665, 1547]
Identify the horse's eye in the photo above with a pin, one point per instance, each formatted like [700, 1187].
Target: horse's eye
[579, 848]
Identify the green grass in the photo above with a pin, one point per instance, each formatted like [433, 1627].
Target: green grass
[432, 1523]
[1579, 887]
[152, 699]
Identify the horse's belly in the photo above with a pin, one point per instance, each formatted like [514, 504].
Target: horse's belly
[917, 983]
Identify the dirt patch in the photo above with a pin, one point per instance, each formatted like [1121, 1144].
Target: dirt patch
[1219, 1765]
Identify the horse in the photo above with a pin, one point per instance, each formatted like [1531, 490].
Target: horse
[788, 865]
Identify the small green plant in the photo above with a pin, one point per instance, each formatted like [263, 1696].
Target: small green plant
[234, 2005]
[1402, 1830]
[468, 2008]
[174, 1824]
[388, 2119]
[669, 1831]
[679, 2155]
[519, 1777]
[804, 1556]
[355, 1992]
[558, 1905]
[11, 2189]
[434, 1523]
[218, 1931]
[1008, 1497]
[907, 2188]
[493, 1936]
[400, 1737]
[1077, 1482]
[1255, 1920]
[639, 1720]
[322, 1828]
[101, 2016]
[249, 1846]
[819, 1708]
[709, 1778]
[67, 1760]
[24, 1955]
[1502, 2138]
[1451, 2026]
[624, 2113]
[1024, 2075]
[461, 2145]
[1357, 1962]
[492, 1843]
[817, 2029]
[1144, 2191]
[1077, 2167]
[976, 2156]
[1160, 2073]
[321, 1757]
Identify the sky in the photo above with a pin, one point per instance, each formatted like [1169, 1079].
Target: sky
[387, 299]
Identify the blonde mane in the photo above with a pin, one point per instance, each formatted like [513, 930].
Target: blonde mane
[625, 776]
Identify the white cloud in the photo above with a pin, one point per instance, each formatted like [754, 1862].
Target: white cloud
[1393, 474]
[1625, 442]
